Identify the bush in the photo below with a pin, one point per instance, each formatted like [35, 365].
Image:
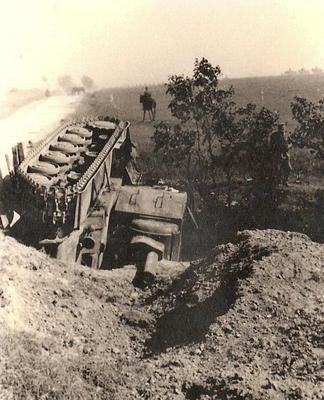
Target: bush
[215, 137]
[309, 132]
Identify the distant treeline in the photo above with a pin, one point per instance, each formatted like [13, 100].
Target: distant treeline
[303, 71]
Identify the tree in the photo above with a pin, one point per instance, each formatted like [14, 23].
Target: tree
[309, 132]
[261, 162]
[303, 71]
[66, 83]
[87, 82]
[204, 111]
[317, 71]
[214, 134]
[175, 145]
[290, 72]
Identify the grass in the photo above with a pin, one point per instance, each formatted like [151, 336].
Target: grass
[36, 372]
[278, 93]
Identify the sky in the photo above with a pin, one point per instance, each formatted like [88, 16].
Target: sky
[137, 42]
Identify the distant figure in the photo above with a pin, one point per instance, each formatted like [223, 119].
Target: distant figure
[279, 150]
[77, 90]
[146, 92]
[149, 104]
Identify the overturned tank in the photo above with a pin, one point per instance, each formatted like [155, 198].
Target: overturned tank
[80, 198]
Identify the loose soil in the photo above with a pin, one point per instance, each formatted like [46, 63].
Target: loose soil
[245, 322]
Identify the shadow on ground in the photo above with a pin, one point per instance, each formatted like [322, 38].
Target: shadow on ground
[185, 324]
[196, 306]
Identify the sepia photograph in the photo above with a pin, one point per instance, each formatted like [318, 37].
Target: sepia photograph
[162, 200]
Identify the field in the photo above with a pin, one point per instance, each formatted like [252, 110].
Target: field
[302, 209]
[278, 92]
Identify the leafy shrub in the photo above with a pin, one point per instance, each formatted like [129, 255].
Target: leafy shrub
[215, 135]
[309, 132]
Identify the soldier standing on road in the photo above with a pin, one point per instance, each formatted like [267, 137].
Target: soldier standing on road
[280, 157]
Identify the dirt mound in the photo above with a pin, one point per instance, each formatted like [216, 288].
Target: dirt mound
[58, 322]
[244, 323]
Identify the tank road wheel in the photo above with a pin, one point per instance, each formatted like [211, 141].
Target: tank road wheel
[44, 168]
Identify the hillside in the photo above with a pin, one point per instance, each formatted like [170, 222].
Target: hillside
[244, 323]
[278, 92]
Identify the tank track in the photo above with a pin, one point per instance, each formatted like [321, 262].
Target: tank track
[61, 166]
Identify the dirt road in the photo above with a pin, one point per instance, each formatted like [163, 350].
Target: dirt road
[33, 122]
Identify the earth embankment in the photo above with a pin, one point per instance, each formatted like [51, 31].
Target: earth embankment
[245, 322]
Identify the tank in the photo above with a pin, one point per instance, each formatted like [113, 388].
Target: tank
[80, 198]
